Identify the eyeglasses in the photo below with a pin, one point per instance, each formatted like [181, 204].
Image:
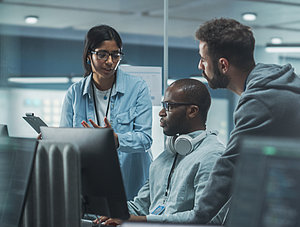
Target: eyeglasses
[103, 55]
[167, 105]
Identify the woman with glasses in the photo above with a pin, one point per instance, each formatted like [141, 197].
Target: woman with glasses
[108, 97]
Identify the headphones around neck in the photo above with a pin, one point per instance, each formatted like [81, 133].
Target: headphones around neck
[184, 144]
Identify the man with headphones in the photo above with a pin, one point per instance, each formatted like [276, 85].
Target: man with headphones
[179, 174]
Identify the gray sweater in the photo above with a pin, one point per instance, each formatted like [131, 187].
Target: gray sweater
[189, 178]
[269, 106]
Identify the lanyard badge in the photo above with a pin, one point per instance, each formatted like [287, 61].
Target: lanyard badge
[158, 210]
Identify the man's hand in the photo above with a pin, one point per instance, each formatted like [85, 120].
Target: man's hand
[108, 221]
[114, 221]
[137, 218]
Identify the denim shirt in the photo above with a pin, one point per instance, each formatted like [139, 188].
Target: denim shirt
[188, 180]
[130, 117]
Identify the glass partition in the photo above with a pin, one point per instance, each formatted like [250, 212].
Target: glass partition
[44, 53]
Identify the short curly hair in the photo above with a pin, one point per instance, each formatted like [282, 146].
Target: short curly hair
[229, 39]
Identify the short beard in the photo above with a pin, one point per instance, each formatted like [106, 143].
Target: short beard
[219, 79]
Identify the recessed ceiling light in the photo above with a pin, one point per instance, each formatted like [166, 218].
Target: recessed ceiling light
[31, 19]
[249, 16]
[39, 80]
[276, 40]
[283, 48]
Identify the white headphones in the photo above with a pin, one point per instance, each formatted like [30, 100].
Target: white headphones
[184, 144]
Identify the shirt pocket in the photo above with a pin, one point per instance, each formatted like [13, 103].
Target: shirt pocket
[125, 120]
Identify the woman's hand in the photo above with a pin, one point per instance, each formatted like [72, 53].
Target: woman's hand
[39, 137]
[86, 125]
[107, 125]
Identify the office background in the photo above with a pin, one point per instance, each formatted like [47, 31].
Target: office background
[52, 48]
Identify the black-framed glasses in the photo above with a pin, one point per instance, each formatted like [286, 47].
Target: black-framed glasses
[167, 105]
[104, 55]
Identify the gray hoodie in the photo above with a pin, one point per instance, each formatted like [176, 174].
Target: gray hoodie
[269, 106]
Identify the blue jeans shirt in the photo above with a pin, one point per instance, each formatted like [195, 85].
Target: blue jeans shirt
[130, 117]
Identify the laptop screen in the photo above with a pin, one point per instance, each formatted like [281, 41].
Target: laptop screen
[16, 161]
[267, 183]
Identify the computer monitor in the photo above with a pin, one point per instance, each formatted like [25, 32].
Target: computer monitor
[16, 163]
[102, 185]
[266, 183]
[3, 130]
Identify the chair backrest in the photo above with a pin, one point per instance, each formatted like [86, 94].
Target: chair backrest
[53, 198]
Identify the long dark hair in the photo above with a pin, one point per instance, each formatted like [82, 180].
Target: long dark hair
[95, 36]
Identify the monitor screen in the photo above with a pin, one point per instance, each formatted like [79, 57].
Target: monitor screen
[102, 185]
[16, 163]
[267, 183]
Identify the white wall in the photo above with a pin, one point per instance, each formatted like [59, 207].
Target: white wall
[43, 103]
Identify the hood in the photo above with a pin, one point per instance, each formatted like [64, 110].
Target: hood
[273, 76]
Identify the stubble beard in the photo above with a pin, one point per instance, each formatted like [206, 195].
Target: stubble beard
[219, 80]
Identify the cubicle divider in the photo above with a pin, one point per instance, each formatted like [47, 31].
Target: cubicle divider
[53, 197]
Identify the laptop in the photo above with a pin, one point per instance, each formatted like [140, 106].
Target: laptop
[16, 163]
[266, 188]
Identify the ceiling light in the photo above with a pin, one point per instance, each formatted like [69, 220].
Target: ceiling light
[31, 19]
[276, 40]
[39, 80]
[249, 16]
[283, 48]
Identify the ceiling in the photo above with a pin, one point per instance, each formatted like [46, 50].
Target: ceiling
[144, 18]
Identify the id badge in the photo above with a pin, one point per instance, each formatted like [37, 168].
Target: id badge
[158, 210]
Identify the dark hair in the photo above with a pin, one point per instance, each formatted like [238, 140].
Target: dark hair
[95, 36]
[229, 39]
[195, 92]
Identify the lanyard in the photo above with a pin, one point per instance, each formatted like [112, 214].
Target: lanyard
[170, 176]
[107, 108]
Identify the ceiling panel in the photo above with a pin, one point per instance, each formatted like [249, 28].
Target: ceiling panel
[145, 17]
